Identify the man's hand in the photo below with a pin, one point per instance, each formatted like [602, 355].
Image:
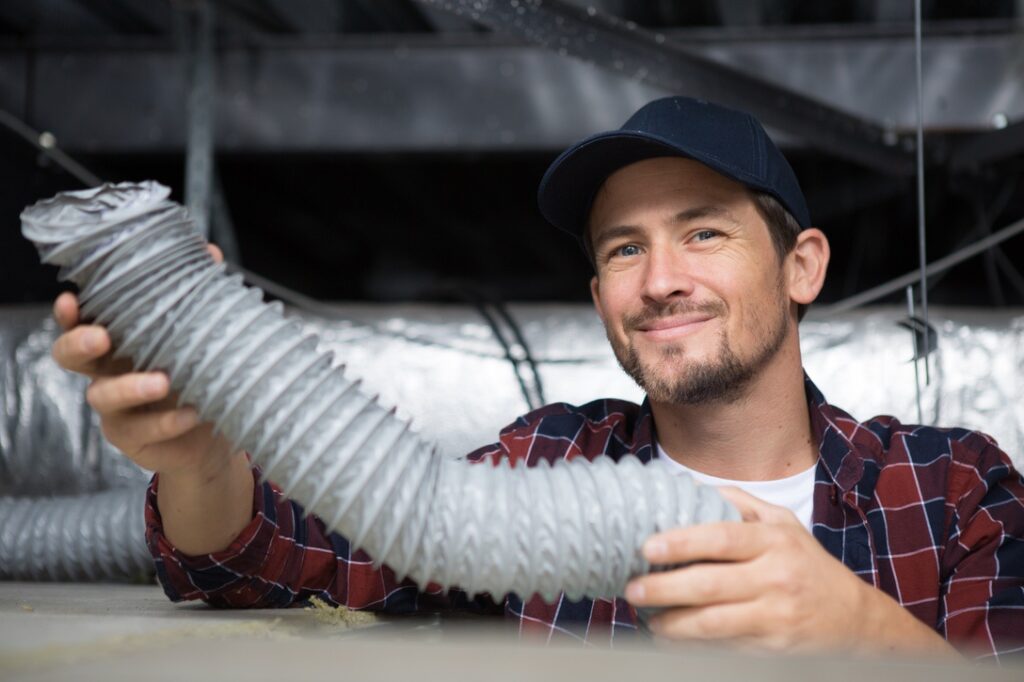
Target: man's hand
[205, 491]
[137, 412]
[767, 584]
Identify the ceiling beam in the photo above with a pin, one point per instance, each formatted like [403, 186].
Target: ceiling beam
[624, 48]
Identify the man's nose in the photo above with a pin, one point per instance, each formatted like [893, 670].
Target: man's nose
[667, 276]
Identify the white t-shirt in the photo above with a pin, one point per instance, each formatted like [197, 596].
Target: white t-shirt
[795, 492]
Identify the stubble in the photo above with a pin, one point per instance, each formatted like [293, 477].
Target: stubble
[671, 378]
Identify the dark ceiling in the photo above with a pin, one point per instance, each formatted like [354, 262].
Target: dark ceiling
[383, 150]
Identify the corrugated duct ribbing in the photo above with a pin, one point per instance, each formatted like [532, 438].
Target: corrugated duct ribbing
[93, 536]
[144, 273]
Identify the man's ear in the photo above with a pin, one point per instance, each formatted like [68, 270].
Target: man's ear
[806, 265]
[595, 294]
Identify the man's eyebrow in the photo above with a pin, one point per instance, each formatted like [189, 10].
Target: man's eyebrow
[615, 233]
[689, 215]
[709, 211]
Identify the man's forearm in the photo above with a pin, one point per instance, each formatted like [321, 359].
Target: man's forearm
[891, 629]
[203, 513]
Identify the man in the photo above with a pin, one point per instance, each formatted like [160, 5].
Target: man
[704, 260]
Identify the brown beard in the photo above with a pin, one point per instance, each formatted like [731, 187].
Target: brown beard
[722, 380]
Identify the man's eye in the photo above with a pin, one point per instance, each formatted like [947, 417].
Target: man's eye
[626, 250]
[705, 235]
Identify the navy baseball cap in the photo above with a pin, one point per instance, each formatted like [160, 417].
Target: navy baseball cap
[730, 142]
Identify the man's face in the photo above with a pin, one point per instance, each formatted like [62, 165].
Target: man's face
[688, 284]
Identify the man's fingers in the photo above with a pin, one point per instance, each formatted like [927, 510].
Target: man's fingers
[728, 541]
[722, 541]
[696, 585]
[79, 349]
[709, 623]
[215, 252]
[65, 310]
[755, 509]
[109, 395]
[134, 431]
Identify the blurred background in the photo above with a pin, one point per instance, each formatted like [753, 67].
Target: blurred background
[372, 161]
[389, 150]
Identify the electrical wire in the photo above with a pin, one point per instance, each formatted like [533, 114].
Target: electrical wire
[506, 315]
[921, 227]
[477, 300]
[328, 311]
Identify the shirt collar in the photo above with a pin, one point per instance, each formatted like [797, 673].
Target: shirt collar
[643, 432]
[841, 457]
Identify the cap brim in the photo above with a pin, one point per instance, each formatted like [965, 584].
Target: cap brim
[571, 182]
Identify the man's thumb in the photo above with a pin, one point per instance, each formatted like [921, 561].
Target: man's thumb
[755, 509]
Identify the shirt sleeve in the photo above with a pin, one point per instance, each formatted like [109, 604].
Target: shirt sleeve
[282, 558]
[552, 432]
[983, 594]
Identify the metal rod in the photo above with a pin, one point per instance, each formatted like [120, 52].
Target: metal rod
[921, 231]
[222, 227]
[47, 144]
[201, 106]
[941, 265]
[917, 354]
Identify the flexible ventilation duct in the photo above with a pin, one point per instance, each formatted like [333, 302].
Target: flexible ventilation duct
[94, 536]
[144, 273]
[51, 445]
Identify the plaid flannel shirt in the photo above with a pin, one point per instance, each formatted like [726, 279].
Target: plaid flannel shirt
[933, 517]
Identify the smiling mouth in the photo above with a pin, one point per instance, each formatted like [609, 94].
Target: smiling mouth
[672, 327]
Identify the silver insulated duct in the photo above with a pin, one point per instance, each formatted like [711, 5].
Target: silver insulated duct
[144, 273]
[97, 536]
